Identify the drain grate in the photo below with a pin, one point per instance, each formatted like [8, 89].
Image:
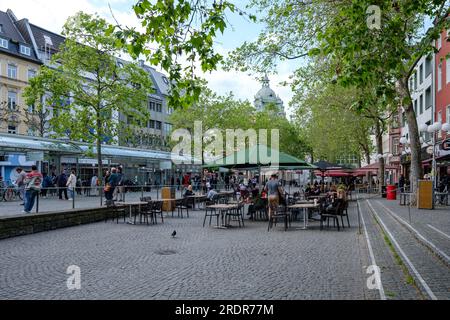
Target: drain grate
[165, 252]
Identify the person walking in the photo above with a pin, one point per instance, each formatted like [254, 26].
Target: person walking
[46, 183]
[71, 184]
[33, 184]
[20, 182]
[61, 182]
[112, 181]
[401, 183]
[272, 192]
[94, 181]
[119, 188]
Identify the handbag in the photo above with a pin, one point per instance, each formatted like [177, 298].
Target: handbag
[107, 187]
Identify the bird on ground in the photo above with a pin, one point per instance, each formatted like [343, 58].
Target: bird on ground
[174, 233]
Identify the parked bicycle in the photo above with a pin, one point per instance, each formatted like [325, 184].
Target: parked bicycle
[10, 193]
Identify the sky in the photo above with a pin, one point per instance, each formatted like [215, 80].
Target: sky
[51, 15]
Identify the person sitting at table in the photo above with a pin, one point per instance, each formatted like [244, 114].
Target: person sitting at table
[316, 191]
[188, 192]
[212, 194]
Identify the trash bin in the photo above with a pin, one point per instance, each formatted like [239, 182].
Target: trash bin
[168, 193]
[383, 191]
[391, 192]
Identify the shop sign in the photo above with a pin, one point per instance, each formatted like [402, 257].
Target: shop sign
[35, 156]
[446, 145]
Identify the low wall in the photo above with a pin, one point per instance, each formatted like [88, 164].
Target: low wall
[18, 225]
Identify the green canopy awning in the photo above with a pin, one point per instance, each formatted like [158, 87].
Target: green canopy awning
[260, 156]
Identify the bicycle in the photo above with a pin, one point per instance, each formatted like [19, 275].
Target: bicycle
[11, 193]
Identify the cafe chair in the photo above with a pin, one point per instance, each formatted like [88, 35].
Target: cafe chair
[211, 212]
[181, 206]
[330, 213]
[280, 214]
[236, 214]
[116, 212]
[157, 211]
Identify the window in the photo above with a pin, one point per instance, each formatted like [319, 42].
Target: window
[395, 122]
[169, 110]
[166, 81]
[12, 100]
[25, 50]
[1, 28]
[421, 74]
[415, 107]
[428, 66]
[158, 107]
[447, 69]
[439, 119]
[151, 124]
[421, 103]
[448, 114]
[439, 75]
[3, 43]
[12, 129]
[395, 146]
[158, 125]
[12, 71]
[439, 43]
[167, 128]
[415, 80]
[428, 98]
[151, 105]
[31, 73]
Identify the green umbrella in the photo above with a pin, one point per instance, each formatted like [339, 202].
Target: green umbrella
[260, 156]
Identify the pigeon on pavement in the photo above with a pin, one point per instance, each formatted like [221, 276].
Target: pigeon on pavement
[174, 233]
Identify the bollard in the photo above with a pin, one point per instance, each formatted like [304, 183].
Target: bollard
[37, 203]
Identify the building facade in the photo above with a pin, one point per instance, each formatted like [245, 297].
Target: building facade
[24, 47]
[442, 110]
[18, 63]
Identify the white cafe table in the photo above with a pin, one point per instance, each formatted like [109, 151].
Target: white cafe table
[305, 207]
[131, 204]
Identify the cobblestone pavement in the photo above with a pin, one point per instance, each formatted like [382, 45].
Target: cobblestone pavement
[434, 225]
[120, 261]
[430, 273]
[394, 280]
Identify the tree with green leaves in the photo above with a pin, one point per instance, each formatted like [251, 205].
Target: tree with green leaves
[88, 90]
[179, 37]
[368, 40]
[227, 112]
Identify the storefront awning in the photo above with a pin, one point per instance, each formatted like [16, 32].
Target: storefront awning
[18, 143]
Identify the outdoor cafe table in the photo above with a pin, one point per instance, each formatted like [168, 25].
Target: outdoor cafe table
[131, 204]
[222, 208]
[194, 197]
[305, 207]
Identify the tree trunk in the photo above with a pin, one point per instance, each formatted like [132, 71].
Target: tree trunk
[99, 150]
[379, 141]
[414, 137]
